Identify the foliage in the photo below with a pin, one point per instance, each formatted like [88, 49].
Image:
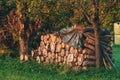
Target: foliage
[49, 15]
[6, 5]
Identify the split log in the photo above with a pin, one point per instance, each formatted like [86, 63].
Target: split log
[58, 40]
[52, 61]
[47, 61]
[47, 36]
[75, 68]
[42, 59]
[56, 55]
[47, 45]
[39, 51]
[89, 35]
[84, 68]
[89, 41]
[76, 63]
[58, 47]
[66, 53]
[65, 59]
[52, 37]
[62, 58]
[80, 59]
[53, 55]
[88, 63]
[70, 58]
[38, 59]
[62, 53]
[109, 61]
[75, 53]
[89, 46]
[49, 55]
[67, 47]
[90, 57]
[42, 45]
[59, 59]
[44, 52]
[75, 59]
[56, 61]
[69, 64]
[52, 47]
[60, 63]
[107, 48]
[63, 45]
[87, 51]
[32, 53]
[42, 38]
[71, 50]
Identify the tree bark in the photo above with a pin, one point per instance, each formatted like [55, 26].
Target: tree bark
[97, 47]
[22, 33]
[23, 45]
[96, 25]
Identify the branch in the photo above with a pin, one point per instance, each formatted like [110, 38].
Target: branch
[85, 13]
[107, 10]
[95, 11]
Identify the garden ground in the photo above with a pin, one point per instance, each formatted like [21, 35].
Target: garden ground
[12, 69]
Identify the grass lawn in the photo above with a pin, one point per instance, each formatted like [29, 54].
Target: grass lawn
[12, 69]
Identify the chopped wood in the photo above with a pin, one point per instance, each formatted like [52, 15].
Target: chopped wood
[62, 53]
[58, 47]
[63, 45]
[80, 59]
[90, 57]
[67, 47]
[66, 53]
[38, 59]
[42, 58]
[70, 58]
[44, 52]
[88, 63]
[89, 41]
[71, 50]
[52, 46]
[89, 46]
[69, 64]
[42, 38]
[53, 51]
[87, 51]
[85, 68]
[32, 53]
[58, 40]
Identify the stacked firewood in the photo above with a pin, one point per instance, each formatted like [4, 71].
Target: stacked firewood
[106, 49]
[52, 50]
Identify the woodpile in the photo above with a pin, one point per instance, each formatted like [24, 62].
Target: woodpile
[53, 50]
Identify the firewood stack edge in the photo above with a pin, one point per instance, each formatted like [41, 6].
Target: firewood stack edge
[53, 50]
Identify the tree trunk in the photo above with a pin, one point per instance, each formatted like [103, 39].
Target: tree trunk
[97, 46]
[23, 44]
[22, 33]
[96, 25]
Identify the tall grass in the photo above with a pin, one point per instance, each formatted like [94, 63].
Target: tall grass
[12, 69]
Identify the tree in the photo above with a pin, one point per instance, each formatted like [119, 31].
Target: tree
[96, 20]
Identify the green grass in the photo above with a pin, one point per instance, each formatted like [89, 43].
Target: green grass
[12, 69]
